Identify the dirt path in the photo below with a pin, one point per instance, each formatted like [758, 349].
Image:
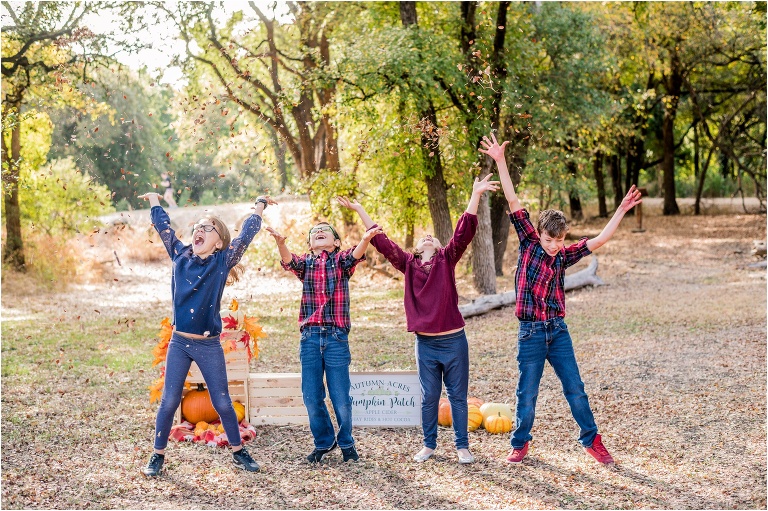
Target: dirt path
[672, 351]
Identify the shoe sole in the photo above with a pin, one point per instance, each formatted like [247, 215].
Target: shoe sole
[243, 467]
[514, 462]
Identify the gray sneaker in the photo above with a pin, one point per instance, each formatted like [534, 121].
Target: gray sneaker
[154, 466]
[317, 455]
[243, 460]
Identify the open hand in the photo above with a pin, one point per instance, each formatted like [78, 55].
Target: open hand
[484, 185]
[492, 148]
[270, 200]
[345, 202]
[631, 199]
[373, 231]
[279, 238]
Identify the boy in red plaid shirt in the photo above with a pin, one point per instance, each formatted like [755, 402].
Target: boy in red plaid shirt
[324, 324]
[540, 307]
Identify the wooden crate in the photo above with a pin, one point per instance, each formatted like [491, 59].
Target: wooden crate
[237, 373]
[275, 398]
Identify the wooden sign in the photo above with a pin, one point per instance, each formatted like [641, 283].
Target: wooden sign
[385, 398]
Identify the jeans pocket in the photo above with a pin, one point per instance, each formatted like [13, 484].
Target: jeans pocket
[525, 333]
[341, 336]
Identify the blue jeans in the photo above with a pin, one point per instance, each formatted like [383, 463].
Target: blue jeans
[443, 358]
[209, 357]
[548, 340]
[325, 349]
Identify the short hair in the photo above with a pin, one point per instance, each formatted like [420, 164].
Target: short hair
[553, 222]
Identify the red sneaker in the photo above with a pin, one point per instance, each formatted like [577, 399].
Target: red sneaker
[599, 452]
[516, 455]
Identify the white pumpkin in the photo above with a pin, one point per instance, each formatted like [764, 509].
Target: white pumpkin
[494, 409]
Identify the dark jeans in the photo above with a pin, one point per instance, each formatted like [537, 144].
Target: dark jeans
[209, 357]
[443, 358]
[325, 349]
[540, 341]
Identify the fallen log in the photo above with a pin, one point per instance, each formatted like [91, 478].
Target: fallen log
[585, 277]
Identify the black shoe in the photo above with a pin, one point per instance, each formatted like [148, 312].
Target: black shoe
[349, 453]
[243, 460]
[317, 454]
[154, 466]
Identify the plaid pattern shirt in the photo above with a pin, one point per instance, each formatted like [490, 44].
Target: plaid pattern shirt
[540, 277]
[325, 295]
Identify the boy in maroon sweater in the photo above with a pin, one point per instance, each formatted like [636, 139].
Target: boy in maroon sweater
[432, 313]
[540, 307]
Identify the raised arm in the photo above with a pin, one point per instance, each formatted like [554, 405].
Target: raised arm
[496, 151]
[478, 189]
[285, 254]
[632, 199]
[152, 197]
[357, 208]
[251, 226]
[388, 248]
[361, 247]
[162, 224]
[466, 227]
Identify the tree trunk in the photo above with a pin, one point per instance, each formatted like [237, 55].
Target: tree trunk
[577, 213]
[497, 202]
[700, 186]
[437, 189]
[586, 277]
[615, 169]
[500, 226]
[13, 253]
[635, 150]
[408, 14]
[598, 169]
[483, 267]
[674, 84]
[409, 236]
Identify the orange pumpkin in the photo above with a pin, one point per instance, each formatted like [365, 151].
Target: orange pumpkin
[196, 406]
[498, 424]
[444, 413]
[475, 401]
[474, 418]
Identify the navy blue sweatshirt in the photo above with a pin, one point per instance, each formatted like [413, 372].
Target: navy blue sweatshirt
[197, 285]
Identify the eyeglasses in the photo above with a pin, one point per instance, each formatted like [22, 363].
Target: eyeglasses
[321, 228]
[204, 227]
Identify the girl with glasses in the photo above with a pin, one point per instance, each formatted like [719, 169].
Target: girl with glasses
[200, 272]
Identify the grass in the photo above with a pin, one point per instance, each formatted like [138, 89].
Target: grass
[672, 351]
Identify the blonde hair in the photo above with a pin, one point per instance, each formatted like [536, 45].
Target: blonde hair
[237, 270]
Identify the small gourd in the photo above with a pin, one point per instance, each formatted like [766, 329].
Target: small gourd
[239, 410]
[498, 424]
[474, 418]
